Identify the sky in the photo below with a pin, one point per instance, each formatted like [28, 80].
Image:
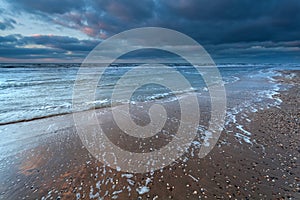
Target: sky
[252, 31]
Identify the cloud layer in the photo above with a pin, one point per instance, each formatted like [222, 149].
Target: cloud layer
[228, 29]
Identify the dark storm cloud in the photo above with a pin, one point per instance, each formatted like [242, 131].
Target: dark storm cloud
[49, 7]
[9, 39]
[43, 46]
[235, 20]
[7, 23]
[288, 51]
[224, 27]
[219, 21]
[60, 42]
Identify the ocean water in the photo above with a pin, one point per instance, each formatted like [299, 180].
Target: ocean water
[30, 91]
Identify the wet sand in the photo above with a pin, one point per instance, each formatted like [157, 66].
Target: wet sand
[58, 166]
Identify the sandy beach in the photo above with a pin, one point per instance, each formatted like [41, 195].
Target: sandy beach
[58, 166]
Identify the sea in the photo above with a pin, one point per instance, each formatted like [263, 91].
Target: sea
[30, 91]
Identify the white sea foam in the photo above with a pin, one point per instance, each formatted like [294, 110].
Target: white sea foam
[240, 127]
[244, 137]
[142, 189]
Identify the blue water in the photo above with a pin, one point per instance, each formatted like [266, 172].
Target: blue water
[29, 91]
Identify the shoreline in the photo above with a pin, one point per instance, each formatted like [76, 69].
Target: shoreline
[59, 167]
